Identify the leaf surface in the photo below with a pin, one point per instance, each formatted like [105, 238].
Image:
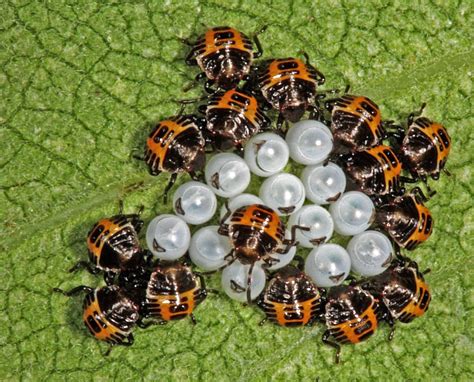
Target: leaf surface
[80, 85]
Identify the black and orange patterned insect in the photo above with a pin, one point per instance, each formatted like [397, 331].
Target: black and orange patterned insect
[225, 57]
[233, 117]
[291, 298]
[108, 313]
[356, 122]
[167, 292]
[402, 292]
[176, 145]
[113, 245]
[424, 148]
[376, 171]
[406, 219]
[352, 315]
[289, 86]
[256, 232]
[173, 292]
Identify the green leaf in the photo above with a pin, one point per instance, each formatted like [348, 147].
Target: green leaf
[80, 85]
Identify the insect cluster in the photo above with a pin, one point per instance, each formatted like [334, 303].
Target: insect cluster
[356, 168]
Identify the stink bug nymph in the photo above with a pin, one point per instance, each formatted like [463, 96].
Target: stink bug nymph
[256, 233]
[225, 57]
[402, 291]
[356, 122]
[291, 298]
[375, 171]
[108, 313]
[176, 145]
[168, 292]
[233, 117]
[289, 86]
[406, 219]
[113, 245]
[423, 148]
[352, 315]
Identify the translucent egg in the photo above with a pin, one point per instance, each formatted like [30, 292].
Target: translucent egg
[227, 174]
[371, 253]
[266, 154]
[323, 184]
[318, 219]
[195, 202]
[328, 265]
[234, 281]
[240, 201]
[208, 249]
[352, 213]
[168, 237]
[283, 192]
[310, 142]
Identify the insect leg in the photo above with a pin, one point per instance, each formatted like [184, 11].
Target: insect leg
[74, 291]
[412, 116]
[168, 187]
[325, 339]
[85, 265]
[259, 51]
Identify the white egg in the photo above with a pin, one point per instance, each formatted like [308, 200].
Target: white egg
[328, 265]
[168, 237]
[208, 249]
[323, 184]
[310, 142]
[227, 174]
[235, 281]
[352, 213]
[283, 192]
[318, 219]
[371, 253]
[240, 201]
[195, 202]
[266, 154]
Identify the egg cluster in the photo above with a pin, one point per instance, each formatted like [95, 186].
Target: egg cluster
[352, 184]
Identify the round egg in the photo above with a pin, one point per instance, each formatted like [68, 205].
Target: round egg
[328, 265]
[283, 192]
[208, 249]
[352, 213]
[323, 183]
[266, 154]
[168, 237]
[371, 253]
[234, 281]
[310, 142]
[227, 174]
[195, 202]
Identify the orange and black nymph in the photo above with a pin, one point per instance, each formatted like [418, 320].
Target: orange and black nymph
[108, 313]
[256, 233]
[402, 292]
[356, 122]
[167, 292]
[173, 292]
[225, 57]
[233, 117]
[423, 148]
[289, 86]
[352, 315]
[291, 299]
[113, 245]
[406, 219]
[375, 171]
[176, 145]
